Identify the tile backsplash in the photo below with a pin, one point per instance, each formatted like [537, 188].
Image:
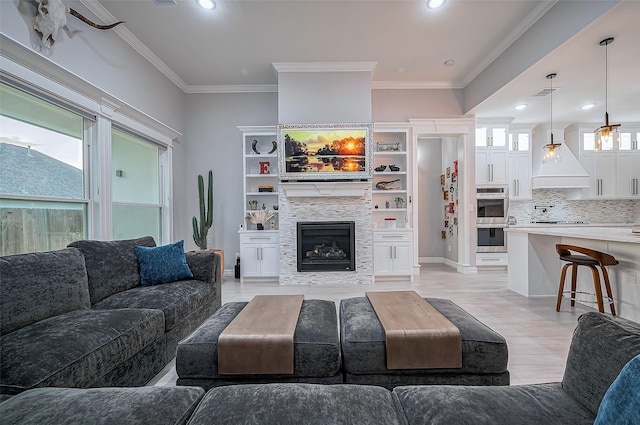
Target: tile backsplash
[595, 212]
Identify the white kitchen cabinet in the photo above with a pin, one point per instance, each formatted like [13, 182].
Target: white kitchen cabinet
[259, 254]
[601, 168]
[520, 175]
[628, 175]
[491, 167]
[392, 253]
[494, 136]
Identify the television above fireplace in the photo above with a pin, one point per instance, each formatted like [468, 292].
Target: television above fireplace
[320, 152]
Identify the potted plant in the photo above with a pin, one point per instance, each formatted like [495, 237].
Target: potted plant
[201, 230]
[399, 202]
[253, 204]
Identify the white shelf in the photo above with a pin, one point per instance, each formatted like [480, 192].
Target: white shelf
[262, 193]
[262, 176]
[378, 192]
[390, 153]
[390, 173]
[262, 155]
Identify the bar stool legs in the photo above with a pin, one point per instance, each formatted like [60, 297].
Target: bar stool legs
[593, 260]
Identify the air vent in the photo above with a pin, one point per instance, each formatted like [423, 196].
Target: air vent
[544, 92]
[165, 2]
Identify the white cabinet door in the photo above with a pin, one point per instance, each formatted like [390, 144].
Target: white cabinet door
[403, 260]
[601, 168]
[519, 176]
[269, 260]
[382, 261]
[249, 262]
[491, 167]
[628, 175]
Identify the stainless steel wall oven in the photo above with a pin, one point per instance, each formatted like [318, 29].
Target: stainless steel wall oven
[492, 238]
[492, 205]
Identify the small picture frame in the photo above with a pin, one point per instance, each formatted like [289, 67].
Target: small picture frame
[388, 147]
[442, 180]
[445, 195]
[443, 234]
[448, 172]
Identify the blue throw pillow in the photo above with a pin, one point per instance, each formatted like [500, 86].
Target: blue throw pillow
[162, 264]
[621, 403]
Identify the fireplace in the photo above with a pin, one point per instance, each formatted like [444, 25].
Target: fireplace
[326, 246]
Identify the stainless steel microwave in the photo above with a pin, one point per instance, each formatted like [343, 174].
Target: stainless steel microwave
[492, 205]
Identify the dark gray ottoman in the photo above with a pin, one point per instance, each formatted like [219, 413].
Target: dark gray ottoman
[316, 349]
[484, 352]
[131, 406]
[286, 404]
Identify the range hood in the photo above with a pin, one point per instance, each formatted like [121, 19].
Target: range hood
[568, 174]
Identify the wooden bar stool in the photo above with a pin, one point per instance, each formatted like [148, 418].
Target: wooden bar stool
[593, 260]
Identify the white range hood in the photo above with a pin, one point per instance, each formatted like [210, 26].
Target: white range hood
[567, 174]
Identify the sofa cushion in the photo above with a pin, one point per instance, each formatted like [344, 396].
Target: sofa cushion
[112, 266]
[621, 402]
[131, 406]
[76, 348]
[39, 285]
[316, 343]
[177, 300]
[535, 404]
[285, 404]
[162, 264]
[600, 347]
[363, 340]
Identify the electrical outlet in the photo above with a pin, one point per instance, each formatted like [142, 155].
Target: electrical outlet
[449, 247]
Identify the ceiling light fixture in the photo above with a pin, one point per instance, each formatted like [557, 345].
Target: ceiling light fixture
[588, 106]
[520, 107]
[606, 133]
[434, 4]
[449, 62]
[206, 4]
[551, 151]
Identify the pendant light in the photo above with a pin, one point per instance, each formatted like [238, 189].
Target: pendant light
[552, 150]
[606, 133]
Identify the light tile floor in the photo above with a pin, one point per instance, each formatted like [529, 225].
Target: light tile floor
[538, 337]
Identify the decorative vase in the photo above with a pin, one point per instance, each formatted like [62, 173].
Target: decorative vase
[260, 226]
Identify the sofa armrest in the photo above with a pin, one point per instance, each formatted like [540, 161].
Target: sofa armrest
[205, 266]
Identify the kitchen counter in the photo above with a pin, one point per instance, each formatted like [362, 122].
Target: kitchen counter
[534, 267]
[611, 234]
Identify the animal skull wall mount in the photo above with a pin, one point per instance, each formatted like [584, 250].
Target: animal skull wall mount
[52, 15]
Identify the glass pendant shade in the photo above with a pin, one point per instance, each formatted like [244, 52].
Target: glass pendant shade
[607, 134]
[552, 151]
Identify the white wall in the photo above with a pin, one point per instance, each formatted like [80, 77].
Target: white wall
[324, 97]
[430, 202]
[401, 105]
[215, 143]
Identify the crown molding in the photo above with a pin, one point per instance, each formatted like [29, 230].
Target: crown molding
[324, 66]
[414, 85]
[134, 42]
[526, 23]
[247, 88]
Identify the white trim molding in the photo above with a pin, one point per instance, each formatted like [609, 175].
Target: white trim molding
[324, 66]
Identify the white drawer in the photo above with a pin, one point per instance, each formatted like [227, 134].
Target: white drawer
[392, 235]
[491, 259]
[259, 236]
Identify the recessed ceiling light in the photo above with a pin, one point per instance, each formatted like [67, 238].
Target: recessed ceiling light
[449, 62]
[588, 106]
[520, 107]
[434, 4]
[207, 4]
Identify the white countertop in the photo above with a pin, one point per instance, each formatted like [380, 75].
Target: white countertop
[603, 233]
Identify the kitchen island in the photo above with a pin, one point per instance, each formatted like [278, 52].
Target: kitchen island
[534, 267]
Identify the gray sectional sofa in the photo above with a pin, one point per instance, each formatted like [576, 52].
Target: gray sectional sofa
[79, 317]
[600, 348]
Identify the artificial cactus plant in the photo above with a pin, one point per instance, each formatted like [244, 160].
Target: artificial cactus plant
[206, 214]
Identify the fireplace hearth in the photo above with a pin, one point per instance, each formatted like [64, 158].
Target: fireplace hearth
[326, 246]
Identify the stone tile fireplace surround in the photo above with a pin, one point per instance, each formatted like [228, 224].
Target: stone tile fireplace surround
[325, 201]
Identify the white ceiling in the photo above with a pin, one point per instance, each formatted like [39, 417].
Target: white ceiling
[233, 47]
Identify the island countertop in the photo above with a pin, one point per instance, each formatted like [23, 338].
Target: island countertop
[603, 233]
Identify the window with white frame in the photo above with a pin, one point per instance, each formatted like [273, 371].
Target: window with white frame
[136, 186]
[43, 184]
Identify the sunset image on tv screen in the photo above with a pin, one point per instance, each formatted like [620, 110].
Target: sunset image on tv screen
[330, 151]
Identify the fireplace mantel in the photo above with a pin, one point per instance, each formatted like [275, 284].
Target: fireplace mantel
[325, 189]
